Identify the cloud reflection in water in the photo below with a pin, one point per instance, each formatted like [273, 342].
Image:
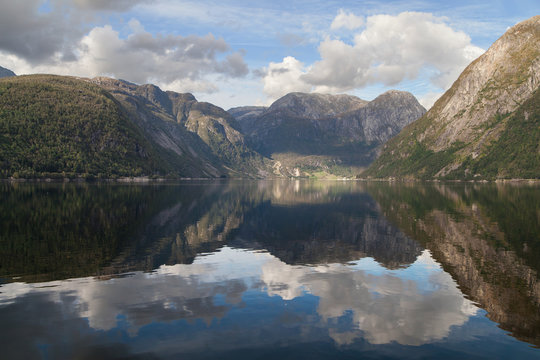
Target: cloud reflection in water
[411, 306]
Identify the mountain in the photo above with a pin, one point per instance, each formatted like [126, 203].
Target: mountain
[62, 126]
[6, 72]
[57, 126]
[245, 115]
[314, 134]
[486, 126]
[176, 120]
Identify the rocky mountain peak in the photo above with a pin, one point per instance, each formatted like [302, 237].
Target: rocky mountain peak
[393, 96]
[315, 106]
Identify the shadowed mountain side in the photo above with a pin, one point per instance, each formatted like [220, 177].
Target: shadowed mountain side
[484, 236]
[58, 126]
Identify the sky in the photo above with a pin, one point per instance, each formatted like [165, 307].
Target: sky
[238, 52]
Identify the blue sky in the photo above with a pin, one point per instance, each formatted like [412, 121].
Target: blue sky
[239, 52]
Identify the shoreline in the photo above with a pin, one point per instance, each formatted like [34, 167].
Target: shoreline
[146, 179]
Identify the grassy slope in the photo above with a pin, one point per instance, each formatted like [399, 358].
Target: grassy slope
[515, 154]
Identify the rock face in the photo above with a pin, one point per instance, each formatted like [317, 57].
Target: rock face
[316, 106]
[245, 115]
[181, 124]
[6, 72]
[310, 133]
[379, 120]
[466, 128]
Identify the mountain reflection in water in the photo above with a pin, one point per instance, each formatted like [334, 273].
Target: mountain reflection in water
[267, 269]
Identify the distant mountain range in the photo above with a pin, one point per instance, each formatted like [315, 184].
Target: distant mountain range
[486, 126]
[322, 134]
[58, 126]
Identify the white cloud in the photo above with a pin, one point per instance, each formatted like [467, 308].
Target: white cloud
[284, 77]
[428, 99]
[346, 20]
[55, 36]
[390, 50]
[171, 61]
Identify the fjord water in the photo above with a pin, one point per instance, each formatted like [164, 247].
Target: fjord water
[269, 269]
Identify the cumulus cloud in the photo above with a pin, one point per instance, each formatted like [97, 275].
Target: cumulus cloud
[175, 62]
[37, 36]
[52, 40]
[284, 77]
[346, 20]
[389, 50]
[142, 57]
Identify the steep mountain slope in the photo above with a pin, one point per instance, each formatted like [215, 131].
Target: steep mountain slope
[485, 126]
[62, 126]
[182, 124]
[6, 72]
[338, 134]
[245, 115]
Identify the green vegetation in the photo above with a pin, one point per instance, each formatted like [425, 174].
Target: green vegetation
[497, 119]
[516, 153]
[52, 126]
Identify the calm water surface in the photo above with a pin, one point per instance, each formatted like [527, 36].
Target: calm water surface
[270, 269]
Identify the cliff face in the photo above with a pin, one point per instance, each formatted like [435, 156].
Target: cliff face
[381, 119]
[181, 124]
[310, 133]
[475, 117]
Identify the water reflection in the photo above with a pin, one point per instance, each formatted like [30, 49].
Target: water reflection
[273, 268]
[486, 236]
[414, 306]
